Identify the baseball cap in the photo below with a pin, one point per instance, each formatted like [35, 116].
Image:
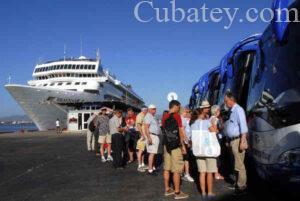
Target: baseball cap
[151, 106]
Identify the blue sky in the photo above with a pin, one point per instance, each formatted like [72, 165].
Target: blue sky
[155, 58]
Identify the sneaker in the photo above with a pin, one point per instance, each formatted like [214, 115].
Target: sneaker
[188, 178]
[109, 158]
[181, 195]
[169, 192]
[103, 160]
[141, 169]
[145, 167]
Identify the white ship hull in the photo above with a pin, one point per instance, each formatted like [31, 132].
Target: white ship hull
[44, 105]
[61, 86]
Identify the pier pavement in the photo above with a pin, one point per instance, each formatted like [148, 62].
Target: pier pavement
[44, 166]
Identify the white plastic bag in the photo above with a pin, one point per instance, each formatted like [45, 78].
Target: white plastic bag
[205, 144]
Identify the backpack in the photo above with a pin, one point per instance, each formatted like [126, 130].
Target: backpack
[171, 133]
[92, 126]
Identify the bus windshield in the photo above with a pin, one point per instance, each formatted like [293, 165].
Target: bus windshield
[277, 73]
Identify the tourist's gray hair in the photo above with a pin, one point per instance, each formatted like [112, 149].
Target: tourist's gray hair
[214, 109]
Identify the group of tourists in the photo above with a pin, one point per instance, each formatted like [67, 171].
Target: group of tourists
[183, 137]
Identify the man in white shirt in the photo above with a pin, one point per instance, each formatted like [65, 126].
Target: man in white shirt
[152, 131]
[57, 123]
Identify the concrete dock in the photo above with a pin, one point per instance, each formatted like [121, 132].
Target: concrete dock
[44, 166]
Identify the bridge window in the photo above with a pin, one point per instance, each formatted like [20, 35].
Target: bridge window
[89, 67]
[81, 66]
[80, 75]
[59, 84]
[73, 67]
[77, 83]
[84, 75]
[77, 67]
[85, 66]
[69, 83]
[93, 67]
[52, 84]
[69, 66]
[45, 85]
[84, 83]
[61, 66]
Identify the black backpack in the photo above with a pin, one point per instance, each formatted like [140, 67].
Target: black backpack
[171, 133]
[92, 126]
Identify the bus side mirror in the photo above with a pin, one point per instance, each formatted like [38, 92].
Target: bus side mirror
[281, 16]
[266, 98]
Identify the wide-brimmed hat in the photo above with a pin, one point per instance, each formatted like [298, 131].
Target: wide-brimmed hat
[204, 104]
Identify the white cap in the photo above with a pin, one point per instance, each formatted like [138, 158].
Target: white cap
[151, 106]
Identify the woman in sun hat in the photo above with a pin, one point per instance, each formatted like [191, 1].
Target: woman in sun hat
[206, 166]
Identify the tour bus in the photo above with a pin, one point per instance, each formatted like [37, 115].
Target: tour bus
[273, 104]
[263, 72]
[232, 74]
[207, 88]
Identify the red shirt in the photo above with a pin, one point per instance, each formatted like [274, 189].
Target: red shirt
[130, 121]
[176, 116]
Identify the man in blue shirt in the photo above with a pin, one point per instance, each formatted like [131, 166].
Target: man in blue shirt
[236, 130]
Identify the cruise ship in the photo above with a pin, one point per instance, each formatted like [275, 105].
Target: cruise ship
[71, 84]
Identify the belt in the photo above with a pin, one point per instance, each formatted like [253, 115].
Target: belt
[154, 134]
[233, 138]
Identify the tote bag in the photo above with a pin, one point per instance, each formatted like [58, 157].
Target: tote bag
[205, 143]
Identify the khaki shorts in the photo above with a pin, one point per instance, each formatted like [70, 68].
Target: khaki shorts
[207, 165]
[153, 148]
[173, 162]
[141, 145]
[104, 139]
